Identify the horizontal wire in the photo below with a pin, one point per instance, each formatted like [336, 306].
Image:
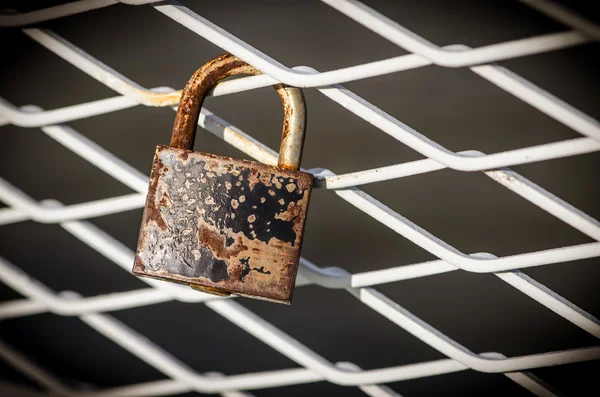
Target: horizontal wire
[476, 360]
[129, 339]
[357, 11]
[169, 387]
[381, 302]
[121, 255]
[163, 96]
[293, 349]
[415, 140]
[341, 279]
[357, 198]
[134, 179]
[505, 176]
[56, 387]
[64, 304]
[308, 271]
[445, 251]
[458, 56]
[14, 197]
[375, 116]
[47, 14]
[402, 37]
[449, 347]
[11, 115]
[151, 353]
[498, 75]
[92, 152]
[96, 241]
[370, 390]
[156, 357]
[380, 25]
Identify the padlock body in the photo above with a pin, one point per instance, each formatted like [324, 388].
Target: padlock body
[226, 224]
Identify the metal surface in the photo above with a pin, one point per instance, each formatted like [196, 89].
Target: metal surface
[219, 224]
[205, 78]
[38, 298]
[228, 225]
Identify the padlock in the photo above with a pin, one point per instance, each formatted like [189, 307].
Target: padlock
[223, 225]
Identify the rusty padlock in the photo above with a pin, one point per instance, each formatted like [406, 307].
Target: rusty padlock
[223, 225]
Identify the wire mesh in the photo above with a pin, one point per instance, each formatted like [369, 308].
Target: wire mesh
[312, 366]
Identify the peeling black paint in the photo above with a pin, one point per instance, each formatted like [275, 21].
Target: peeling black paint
[228, 200]
[234, 207]
[231, 199]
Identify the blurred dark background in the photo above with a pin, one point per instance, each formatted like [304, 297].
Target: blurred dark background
[454, 107]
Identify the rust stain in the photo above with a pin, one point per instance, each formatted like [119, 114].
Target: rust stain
[287, 112]
[164, 201]
[192, 98]
[305, 180]
[152, 211]
[215, 242]
[293, 211]
[253, 178]
[183, 155]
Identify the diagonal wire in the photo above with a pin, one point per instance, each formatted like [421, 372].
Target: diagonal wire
[152, 354]
[46, 14]
[57, 388]
[383, 26]
[379, 24]
[483, 362]
[119, 169]
[527, 91]
[132, 178]
[328, 278]
[388, 217]
[403, 37]
[479, 362]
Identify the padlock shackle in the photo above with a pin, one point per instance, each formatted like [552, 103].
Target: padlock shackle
[208, 76]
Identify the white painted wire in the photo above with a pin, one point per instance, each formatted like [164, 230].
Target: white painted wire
[313, 367]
